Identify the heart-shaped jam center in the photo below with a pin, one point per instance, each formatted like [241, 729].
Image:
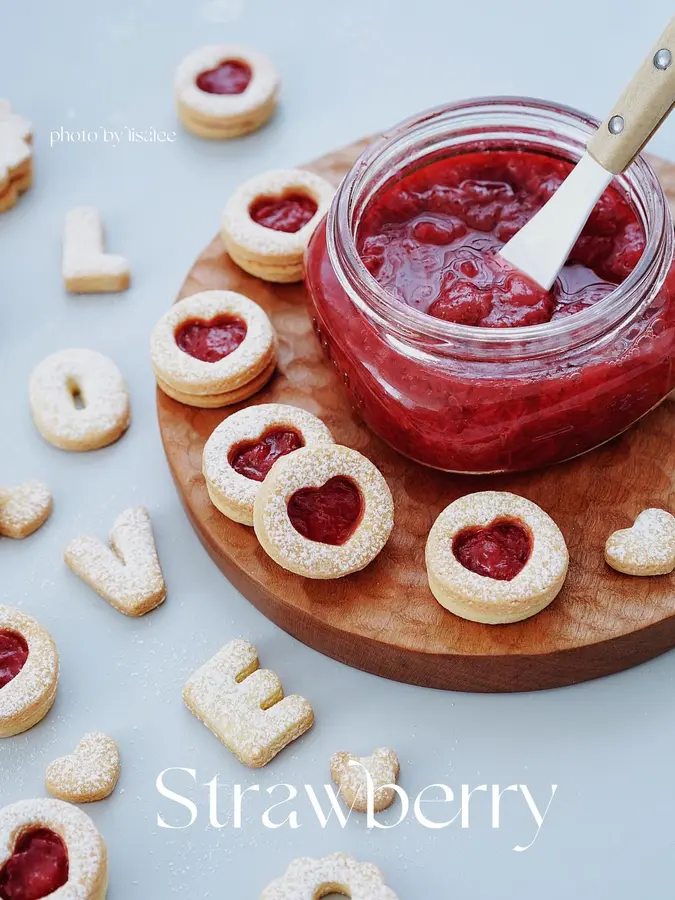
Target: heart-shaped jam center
[211, 341]
[232, 76]
[254, 459]
[288, 213]
[329, 514]
[499, 551]
[13, 655]
[37, 867]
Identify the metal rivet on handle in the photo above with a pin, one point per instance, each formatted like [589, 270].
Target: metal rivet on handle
[663, 58]
[616, 125]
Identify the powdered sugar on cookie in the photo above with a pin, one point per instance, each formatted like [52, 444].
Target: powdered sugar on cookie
[129, 575]
[71, 377]
[24, 508]
[309, 879]
[244, 706]
[355, 776]
[646, 548]
[16, 156]
[87, 268]
[88, 774]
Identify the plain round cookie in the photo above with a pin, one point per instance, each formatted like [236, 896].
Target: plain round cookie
[312, 467]
[480, 598]
[185, 374]
[225, 116]
[90, 377]
[231, 492]
[275, 256]
[28, 697]
[87, 853]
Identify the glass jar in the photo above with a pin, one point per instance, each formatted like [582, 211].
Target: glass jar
[479, 400]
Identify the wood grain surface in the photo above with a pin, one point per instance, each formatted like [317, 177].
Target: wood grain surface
[385, 620]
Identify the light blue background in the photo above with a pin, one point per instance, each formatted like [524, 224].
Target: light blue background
[348, 69]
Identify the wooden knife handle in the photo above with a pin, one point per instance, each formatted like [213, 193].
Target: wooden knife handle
[644, 105]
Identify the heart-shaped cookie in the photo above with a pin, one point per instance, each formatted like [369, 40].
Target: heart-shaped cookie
[353, 774]
[24, 508]
[89, 773]
[646, 548]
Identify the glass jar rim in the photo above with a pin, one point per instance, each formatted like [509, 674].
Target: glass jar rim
[556, 121]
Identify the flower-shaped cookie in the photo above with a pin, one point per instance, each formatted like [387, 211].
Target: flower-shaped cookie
[16, 156]
[309, 879]
[51, 849]
[646, 548]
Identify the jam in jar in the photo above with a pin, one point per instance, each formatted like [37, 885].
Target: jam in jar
[457, 360]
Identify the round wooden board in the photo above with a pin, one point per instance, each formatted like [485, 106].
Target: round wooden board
[385, 620]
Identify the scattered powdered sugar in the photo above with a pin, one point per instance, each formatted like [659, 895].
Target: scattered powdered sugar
[194, 376]
[96, 380]
[313, 467]
[647, 547]
[222, 12]
[244, 706]
[84, 256]
[543, 573]
[350, 775]
[87, 858]
[35, 685]
[255, 239]
[24, 508]
[308, 879]
[89, 773]
[129, 575]
[260, 91]
[227, 487]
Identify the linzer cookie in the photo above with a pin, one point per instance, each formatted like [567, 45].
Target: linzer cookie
[16, 156]
[51, 849]
[88, 774]
[127, 574]
[309, 879]
[213, 349]
[269, 220]
[79, 400]
[87, 268]
[29, 672]
[24, 508]
[494, 557]
[244, 705]
[225, 91]
[323, 512]
[243, 448]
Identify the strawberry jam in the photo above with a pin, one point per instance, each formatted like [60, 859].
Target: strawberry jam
[13, 655]
[211, 341]
[329, 514]
[458, 361]
[289, 213]
[432, 240]
[37, 868]
[254, 459]
[498, 551]
[232, 76]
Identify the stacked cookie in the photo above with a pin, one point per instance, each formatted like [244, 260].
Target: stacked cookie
[16, 156]
[213, 349]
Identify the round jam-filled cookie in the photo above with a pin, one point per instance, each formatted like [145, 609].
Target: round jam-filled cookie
[225, 91]
[211, 346]
[269, 220]
[323, 512]
[309, 879]
[79, 400]
[494, 557]
[50, 849]
[243, 448]
[29, 672]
